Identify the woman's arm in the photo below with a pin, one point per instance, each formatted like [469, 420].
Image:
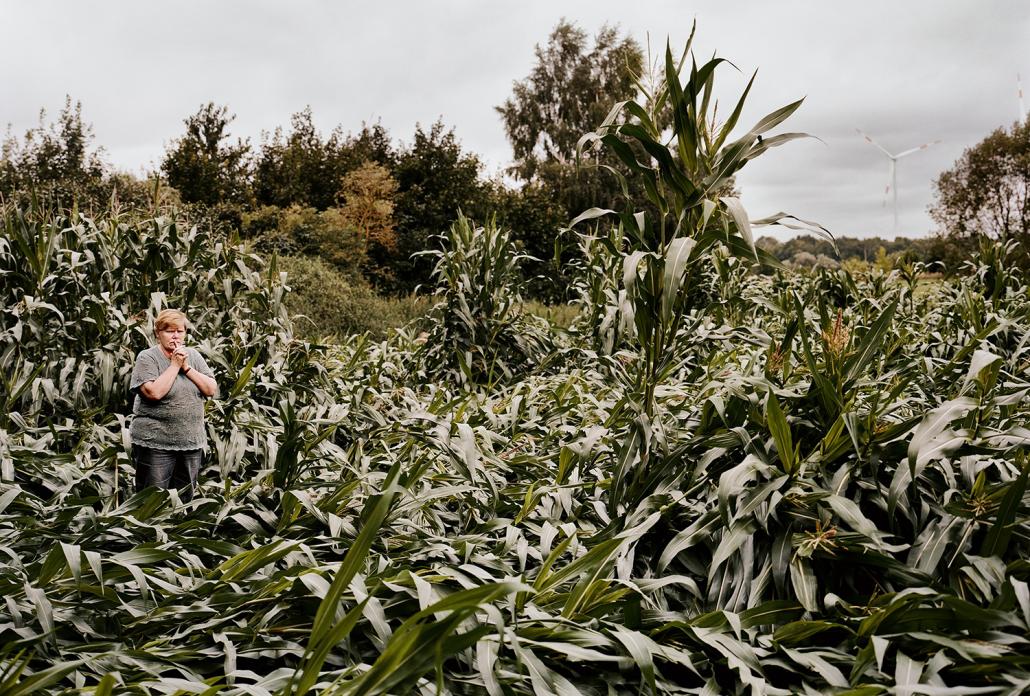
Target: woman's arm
[156, 389]
[206, 385]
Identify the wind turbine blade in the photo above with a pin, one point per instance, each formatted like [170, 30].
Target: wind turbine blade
[874, 143]
[915, 149]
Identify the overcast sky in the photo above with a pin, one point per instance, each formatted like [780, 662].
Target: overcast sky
[905, 72]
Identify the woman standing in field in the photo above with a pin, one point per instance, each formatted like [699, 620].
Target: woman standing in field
[170, 383]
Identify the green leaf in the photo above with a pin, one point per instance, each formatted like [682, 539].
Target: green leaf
[326, 630]
[871, 342]
[12, 685]
[1000, 534]
[804, 582]
[640, 648]
[743, 225]
[799, 632]
[780, 430]
[980, 361]
[677, 256]
[772, 613]
[590, 214]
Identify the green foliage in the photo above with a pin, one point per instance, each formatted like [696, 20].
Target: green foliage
[558, 315]
[436, 179]
[569, 92]
[846, 506]
[152, 195]
[670, 242]
[535, 219]
[325, 303]
[987, 192]
[304, 168]
[940, 253]
[79, 296]
[262, 220]
[203, 166]
[293, 231]
[300, 168]
[56, 160]
[338, 241]
[477, 332]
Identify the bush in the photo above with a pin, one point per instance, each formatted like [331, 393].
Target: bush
[339, 244]
[325, 303]
[296, 231]
[262, 220]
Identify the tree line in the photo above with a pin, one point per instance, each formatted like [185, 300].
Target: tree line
[360, 201]
[367, 203]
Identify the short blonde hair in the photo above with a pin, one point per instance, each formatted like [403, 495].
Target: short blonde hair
[168, 317]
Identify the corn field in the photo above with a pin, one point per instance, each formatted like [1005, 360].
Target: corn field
[716, 481]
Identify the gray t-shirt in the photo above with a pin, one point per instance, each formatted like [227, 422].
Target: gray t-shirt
[176, 421]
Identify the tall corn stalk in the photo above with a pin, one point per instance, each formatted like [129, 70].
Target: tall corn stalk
[685, 168]
[477, 333]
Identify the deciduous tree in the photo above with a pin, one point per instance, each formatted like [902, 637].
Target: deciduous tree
[367, 204]
[203, 165]
[299, 167]
[304, 168]
[987, 192]
[367, 195]
[56, 158]
[568, 93]
[436, 178]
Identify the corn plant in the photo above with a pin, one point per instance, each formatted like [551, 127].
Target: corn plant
[676, 239]
[477, 333]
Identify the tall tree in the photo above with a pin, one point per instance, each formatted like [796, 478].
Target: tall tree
[372, 144]
[298, 168]
[367, 197]
[203, 165]
[987, 192]
[56, 158]
[570, 90]
[435, 178]
[367, 205]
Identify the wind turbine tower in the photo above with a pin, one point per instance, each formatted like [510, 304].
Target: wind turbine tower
[1022, 106]
[892, 171]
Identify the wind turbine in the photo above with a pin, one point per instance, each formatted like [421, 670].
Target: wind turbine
[892, 171]
[1022, 106]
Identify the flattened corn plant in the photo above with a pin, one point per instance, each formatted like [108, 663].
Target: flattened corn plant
[716, 483]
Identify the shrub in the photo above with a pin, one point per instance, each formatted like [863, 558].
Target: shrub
[262, 220]
[326, 304]
[339, 243]
[296, 231]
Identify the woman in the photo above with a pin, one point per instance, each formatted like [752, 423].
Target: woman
[170, 382]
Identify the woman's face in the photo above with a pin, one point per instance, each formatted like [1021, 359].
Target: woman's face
[172, 336]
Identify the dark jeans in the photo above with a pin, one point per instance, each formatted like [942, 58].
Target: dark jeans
[167, 469]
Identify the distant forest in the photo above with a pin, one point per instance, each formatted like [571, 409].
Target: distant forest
[939, 254]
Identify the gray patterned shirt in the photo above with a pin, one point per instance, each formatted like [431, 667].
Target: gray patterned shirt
[176, 421]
